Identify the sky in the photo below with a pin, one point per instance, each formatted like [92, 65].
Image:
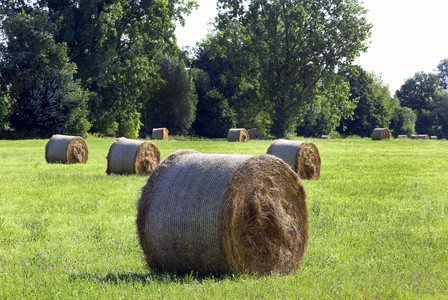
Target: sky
[408, 36]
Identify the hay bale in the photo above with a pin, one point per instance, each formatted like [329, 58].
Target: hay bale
[254, 134]
[423, 137]
[380, 134]
[219, 213]
[402, 136]
[160, 134]
[132, 157]
[433, 137]
[66, 149]
[414, 137]
[237, 135]
[325, 137]
[303, 157]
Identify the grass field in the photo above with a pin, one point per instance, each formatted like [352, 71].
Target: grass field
[378, 226]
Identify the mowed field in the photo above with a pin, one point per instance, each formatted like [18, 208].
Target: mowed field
[378, 226]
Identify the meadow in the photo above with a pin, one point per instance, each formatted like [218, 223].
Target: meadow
[378, 226]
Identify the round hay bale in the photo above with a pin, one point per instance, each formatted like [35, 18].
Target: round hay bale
[218, 213]
[254, 134]
[423, 137]
[414, 137]
[380, 134]
[402, 136]
[433, 137]
[238, 135]
[132, 157]
[303, 157]
[160, 134]
[325, 137]
[66, 149]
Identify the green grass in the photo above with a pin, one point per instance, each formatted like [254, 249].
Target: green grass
[378, 226]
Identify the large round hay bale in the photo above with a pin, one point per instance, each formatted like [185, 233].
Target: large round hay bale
[160, 134]
[132, 157]
[414, 137]
[238, 135]
[325, 137]
[434, 137]
[254, 134]
[380, 134]
[66, 149]
[423, 137]
[402, 136]
[218, 213]
[303, 157]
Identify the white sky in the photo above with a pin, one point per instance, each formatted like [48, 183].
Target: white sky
[408, 36]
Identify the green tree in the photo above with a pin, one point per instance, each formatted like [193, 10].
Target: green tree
[443, 74]
[173, 105]
[374, 105]
[291, 48]
[418, 94]
[37, 74]
[403, 119]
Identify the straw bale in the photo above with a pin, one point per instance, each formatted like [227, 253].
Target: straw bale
[414, 137]
[433, 137]
[132, 157]
[380, 134]
[238, 135]
[325, 137]
[423, 137]
[219, 213]
[302, 157]
[403, 136]
[160, 134]
[254, 134]
[66, 149]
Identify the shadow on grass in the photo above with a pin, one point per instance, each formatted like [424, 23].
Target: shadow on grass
[152, 277]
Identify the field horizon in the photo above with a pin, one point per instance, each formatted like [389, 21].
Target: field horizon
[378, 226]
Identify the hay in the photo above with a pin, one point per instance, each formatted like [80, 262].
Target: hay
[325, 137]
[303, 157]
[132, 157]
[414, 137]
[433, 137]
[218, 213]
[402, 136]
[66, 149]
[380, 134]
[160, 134]
[237, 135]
[423, 137]
[254, 134]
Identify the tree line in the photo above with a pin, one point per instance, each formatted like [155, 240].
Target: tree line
[112, 67]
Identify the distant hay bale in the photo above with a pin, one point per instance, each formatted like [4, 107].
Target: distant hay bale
[160, 134]
[219, 213]
[402, 136]
[254, 134]
[433, 137]
[380, 134]
[237, 135]
[423, 137]
[303, 157]
[414, 137]
[66, 149]
[132, 157]
[325, 137]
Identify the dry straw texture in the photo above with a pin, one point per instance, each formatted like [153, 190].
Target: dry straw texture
[237, 135]
[423, 137]
[254, 134]
[217, 213]
[160, 134]
[303, 157]
[403, 136]
[132, 157]
[66, 149]
[380, 134]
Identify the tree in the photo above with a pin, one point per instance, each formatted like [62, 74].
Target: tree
[292, 48]
[173, 105]
[443, 74]
[38, 77]
[418, 94]
[403, 119]
[374, 106]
